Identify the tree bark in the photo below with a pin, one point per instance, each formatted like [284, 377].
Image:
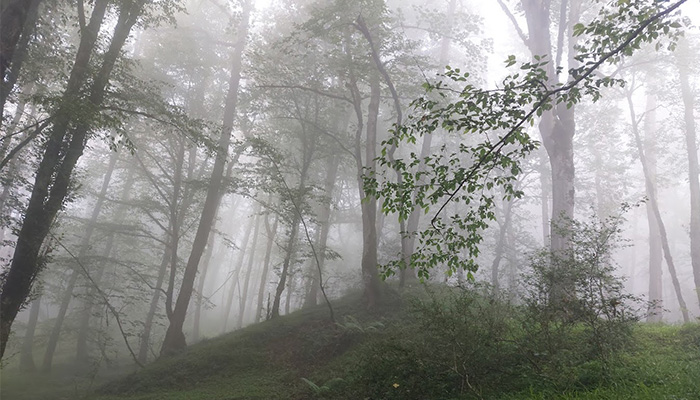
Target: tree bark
[174, 337]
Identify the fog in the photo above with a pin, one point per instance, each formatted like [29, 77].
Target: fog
[177, 170]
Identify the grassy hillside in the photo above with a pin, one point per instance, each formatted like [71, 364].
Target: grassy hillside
[393, 352]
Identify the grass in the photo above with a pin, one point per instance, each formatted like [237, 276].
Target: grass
[305, 356]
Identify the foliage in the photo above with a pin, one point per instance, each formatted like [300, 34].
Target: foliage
[493, 122]
[575, 309]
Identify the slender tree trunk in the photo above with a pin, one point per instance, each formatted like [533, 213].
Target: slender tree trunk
[26, 359]
[249, 270]
[200, 285]
[288, 257]
[174, 338]
[290, 290]
[324, 220]
[500, 247]
[370, 275]
[153, 307]
[544, 195]
[655, 251]
[237, 271]
[77, 270]
[691, 143]
[653, 204]
[271, 233]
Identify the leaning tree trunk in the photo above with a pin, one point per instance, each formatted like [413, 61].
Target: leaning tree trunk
[174, 337]
[693, 167]
[63, 148]
[324, 221]
[654, 205]
[77, 269]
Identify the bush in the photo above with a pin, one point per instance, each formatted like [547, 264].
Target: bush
[576, 314]
[567, 332]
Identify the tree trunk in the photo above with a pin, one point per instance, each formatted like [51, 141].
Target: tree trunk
[693, 167]
[15, 15]
[153, 307]
[653, 204]
[324, 221]
[655, 251]
[290, 290]
[500, 246]
[200, 285]
[26, 359]
[271, 233]
[237, 271]
[174, 338]
[249, 270]
[288, 257]
[557, 126]
[370, 275]
[77, 270]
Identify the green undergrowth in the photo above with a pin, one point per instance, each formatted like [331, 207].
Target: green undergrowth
[407, 349]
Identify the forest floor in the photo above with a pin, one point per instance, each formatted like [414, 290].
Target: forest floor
[306, 356]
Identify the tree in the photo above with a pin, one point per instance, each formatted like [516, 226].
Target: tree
[174, 338]
[64, 146]
[470, 175]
